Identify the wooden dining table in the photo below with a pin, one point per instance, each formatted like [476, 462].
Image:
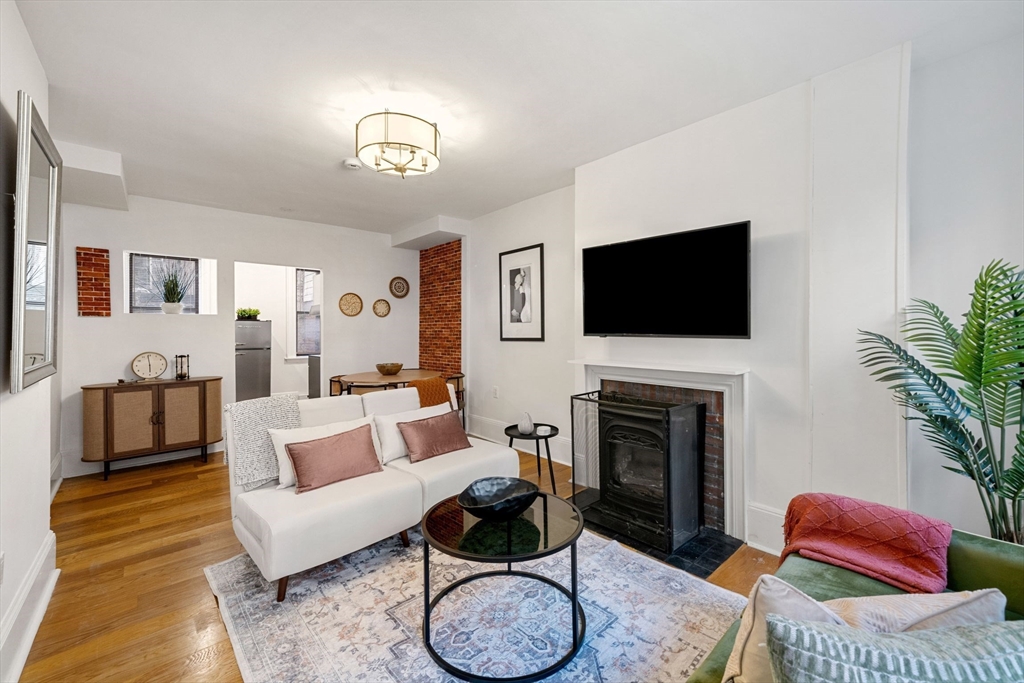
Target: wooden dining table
[374, 379]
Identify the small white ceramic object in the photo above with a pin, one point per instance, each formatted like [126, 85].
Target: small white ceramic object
[526, 424]
[172, 308]
[543, 431]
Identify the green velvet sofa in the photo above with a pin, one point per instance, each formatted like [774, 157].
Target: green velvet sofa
[975, 562]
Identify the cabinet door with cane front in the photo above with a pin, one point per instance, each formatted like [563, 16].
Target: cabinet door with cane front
[182, 415]
[133, 424]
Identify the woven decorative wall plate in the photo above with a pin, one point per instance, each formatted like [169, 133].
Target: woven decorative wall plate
[381, 308]
[399, 287]
[350, 304]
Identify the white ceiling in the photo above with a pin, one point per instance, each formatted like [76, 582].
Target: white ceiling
[251, 106]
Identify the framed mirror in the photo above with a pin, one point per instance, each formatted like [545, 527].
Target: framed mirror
[36, 250]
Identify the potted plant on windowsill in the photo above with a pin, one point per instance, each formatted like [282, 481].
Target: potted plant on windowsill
[175, 284]
[247, 314]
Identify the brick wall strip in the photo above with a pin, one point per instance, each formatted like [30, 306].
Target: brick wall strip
[93, 269]
[441, 308]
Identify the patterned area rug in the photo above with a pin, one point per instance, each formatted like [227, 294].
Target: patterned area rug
[360, 619]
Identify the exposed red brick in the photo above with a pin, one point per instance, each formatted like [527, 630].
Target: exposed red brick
[441, 308]
[93, 266]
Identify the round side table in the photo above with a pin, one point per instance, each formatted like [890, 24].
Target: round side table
[512, 432]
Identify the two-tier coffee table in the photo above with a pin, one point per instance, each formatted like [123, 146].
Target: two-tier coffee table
[550, 525]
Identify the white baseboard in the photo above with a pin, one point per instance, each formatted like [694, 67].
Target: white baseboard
[764, 528]
[494, 430]
[55, 486]
[25, 614]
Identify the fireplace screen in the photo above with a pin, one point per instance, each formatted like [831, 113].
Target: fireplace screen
[644, 462]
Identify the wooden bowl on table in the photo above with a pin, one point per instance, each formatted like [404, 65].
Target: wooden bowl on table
[389, 368]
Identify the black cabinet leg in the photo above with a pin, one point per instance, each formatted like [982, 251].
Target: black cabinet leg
[106, 469]
[204, 454]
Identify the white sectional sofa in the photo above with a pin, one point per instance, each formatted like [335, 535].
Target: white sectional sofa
[286, 533]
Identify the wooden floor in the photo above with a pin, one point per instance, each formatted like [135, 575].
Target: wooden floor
[132, 603]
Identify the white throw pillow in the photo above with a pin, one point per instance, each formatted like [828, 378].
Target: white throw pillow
[750, 661]
[920, 611]
[283, 437]
[392, 445]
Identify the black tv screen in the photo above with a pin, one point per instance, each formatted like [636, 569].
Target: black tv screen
[687, 284]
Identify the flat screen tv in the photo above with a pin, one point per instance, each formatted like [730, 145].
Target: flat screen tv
[687, 284]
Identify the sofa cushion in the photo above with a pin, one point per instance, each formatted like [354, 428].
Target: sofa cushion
[434, 436]
[449, 474]
[282, 437]
[823, 653]
[334, 458]
[293, 533]
[315, 412]
[392, 444]
[390, 402]
[919, 611]
[749, 662]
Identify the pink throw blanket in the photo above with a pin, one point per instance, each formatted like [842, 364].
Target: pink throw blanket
[898, 547]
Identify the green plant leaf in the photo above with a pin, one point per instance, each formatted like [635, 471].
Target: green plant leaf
[1013, 476]
[932, 333]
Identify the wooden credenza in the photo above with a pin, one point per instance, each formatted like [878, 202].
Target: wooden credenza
[144, 418]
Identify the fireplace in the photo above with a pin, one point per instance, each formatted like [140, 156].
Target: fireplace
[651, 464]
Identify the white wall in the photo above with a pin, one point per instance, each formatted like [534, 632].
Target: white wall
[100, 349]
[534, 377]
[750, 163]
[966, 209]
[790, 163]
[27, 544]
[262, 286]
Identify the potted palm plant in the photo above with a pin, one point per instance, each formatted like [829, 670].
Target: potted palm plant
[984, 359]
[175, 283]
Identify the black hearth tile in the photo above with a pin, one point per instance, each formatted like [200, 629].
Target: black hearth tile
[696, 546]
[708, 565]
[718, 554]
[689, 554]
[700, 571]
[676, 561]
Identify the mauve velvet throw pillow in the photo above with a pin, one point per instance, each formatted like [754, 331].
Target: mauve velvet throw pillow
[434, 436]
[333, 458]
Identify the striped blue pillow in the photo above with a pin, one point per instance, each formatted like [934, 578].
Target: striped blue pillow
[816, 652]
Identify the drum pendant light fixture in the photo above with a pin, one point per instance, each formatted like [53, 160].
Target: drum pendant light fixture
[398, 144]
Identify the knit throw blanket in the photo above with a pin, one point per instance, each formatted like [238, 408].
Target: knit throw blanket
[255, 460]
[897, 547]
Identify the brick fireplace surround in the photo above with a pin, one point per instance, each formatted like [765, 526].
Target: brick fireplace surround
[714, 492]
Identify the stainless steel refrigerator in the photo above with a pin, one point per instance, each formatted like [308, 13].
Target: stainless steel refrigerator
[252, 359]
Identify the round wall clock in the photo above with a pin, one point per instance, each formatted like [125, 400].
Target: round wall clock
[149, 365]
[381, 308]
[399, 287]
[350, 304]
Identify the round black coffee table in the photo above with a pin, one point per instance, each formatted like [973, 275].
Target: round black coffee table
[548, 526]
[512, 432]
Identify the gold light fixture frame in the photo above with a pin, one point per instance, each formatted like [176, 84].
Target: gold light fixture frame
[398, 144]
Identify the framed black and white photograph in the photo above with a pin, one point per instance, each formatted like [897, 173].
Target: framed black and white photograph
[521, 280]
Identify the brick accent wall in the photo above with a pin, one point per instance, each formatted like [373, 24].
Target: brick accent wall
[441, 308]
[714, 430]
[93, 267]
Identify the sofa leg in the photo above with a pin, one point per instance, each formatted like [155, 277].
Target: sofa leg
[282, 588]
[405, 538]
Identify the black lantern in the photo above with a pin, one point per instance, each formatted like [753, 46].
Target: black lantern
[181, 367]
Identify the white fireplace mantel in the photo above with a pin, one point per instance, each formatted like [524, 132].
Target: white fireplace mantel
[732, 382]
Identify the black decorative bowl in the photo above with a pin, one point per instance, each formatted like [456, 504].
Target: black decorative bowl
[498, 499]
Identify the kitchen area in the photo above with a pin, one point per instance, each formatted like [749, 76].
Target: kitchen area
[278, 334]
